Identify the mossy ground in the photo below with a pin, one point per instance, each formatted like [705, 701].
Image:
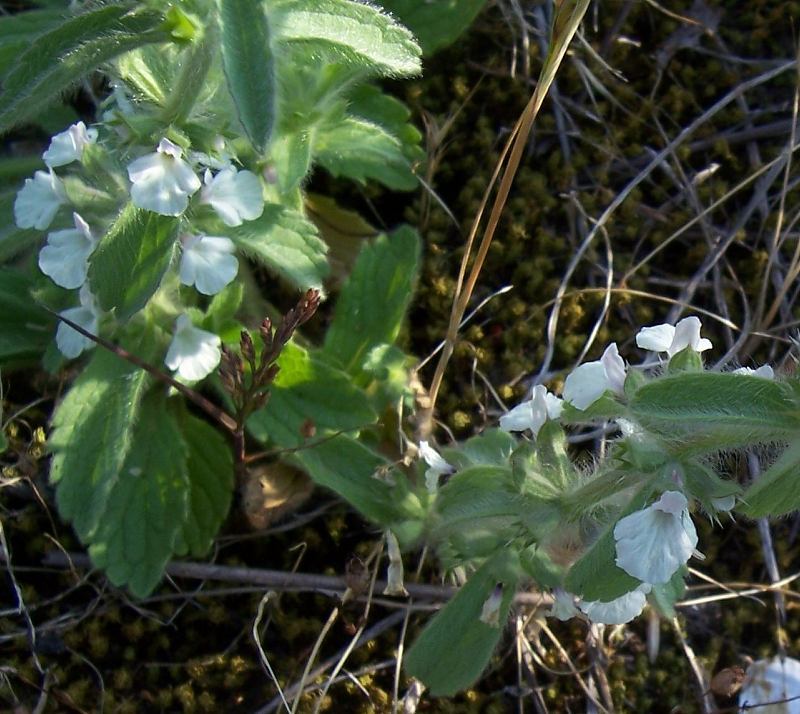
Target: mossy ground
[190, 648]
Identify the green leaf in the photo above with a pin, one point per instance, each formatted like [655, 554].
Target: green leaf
[92, 435]
[210, 471]
[360, 150]
[60, 57]
[595, 576]
[309, 389]
[706, 412]
[435, 24]
[776, 491]
[373, 302]
[349, 32]
[455, 646]
[127, 267]
[25, 329]
[538, 565]
[146, 507]
[349, 468]
[187, 87]
[249, 66]
[284, 241]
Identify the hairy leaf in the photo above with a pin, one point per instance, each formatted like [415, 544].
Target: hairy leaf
[92, 435]
[435, 24]
[210, 472]
[284, 241]
[146, 507]
[349, 32]
[25, 329]
[249, 66]
[708, 411]
[361, 150]
[127, 267]
[777, 490]
[308, 389]
[373, 302]
[61, 56]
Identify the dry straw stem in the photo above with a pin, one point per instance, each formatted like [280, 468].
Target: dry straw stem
[569, 14]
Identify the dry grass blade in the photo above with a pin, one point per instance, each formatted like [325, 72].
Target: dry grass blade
[569, 14]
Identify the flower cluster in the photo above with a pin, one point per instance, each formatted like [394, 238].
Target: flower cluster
[163, 182]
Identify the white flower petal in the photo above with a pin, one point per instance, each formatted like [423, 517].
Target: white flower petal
[772, 680]
[585, 385]
[38, 201]
[687, 334]
[725, 503]
[208, 263]
[438, 466]
[490, 612]
[615, 368]
[654, 542]
[764, 371]
[65, 258]
[563, 605]
[162, 182]
[71, 342]
[236, 196]
[68, 146]
[618, 611]
[656, 339]
[534, 413]
[193, 353]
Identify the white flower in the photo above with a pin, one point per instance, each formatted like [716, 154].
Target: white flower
[588, 382]
[193, 352]
[68, 146]
[236, 196]
[534, 413]
[438, 466]
[764, 371]
[772, 680]
[71, 342]
[208, 263]
[38, 201]
[618, 611]
[654, 542]
[162, 182]
[669, 339]
[394, 576]
[65, 258]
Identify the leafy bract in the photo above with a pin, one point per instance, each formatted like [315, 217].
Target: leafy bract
[249, 66]
[127, 267]
[373, 302]
[349, 32]
[62, 55]
[284, 241]
[210, 475]
[362, 150]
[456, 645]
[435, 24]
[25, 329]
[92, 436]
[493, 447]
[145, 508]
